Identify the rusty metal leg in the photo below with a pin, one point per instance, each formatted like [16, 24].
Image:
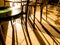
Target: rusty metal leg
[46, 12]
[34, 17]
[41, 10]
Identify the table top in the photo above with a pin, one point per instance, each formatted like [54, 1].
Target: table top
[4, 11]
[13, 11]
[10, 13]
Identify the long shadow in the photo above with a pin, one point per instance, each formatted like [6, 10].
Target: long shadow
[38, 29]
[52, 26]
[16, 34]
[23, 30]
[50, 11]
[57, 22]
[4, 28]
[50, 18]
[26, 27]
[13, 35]
[52, 37]
[2, 42]
[41, 41]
